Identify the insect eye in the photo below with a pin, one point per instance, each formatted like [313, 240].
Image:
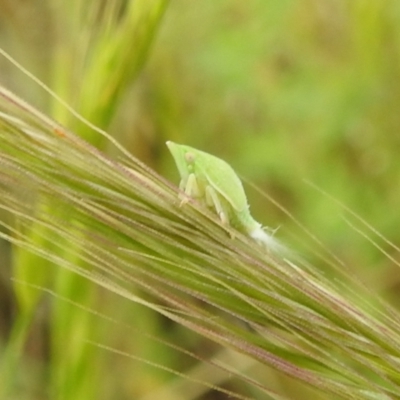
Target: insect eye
[190, 157]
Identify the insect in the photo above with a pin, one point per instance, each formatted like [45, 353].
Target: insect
[213, 181]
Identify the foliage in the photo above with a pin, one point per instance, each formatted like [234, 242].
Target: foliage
[282, 91]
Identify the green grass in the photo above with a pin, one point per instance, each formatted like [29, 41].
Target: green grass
[281, 90]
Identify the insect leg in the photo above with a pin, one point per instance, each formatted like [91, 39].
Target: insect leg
[190, 188]
[212, 200]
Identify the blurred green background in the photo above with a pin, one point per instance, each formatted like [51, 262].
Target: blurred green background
[285, 91]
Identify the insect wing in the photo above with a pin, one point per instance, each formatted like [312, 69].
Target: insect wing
[224, 180]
